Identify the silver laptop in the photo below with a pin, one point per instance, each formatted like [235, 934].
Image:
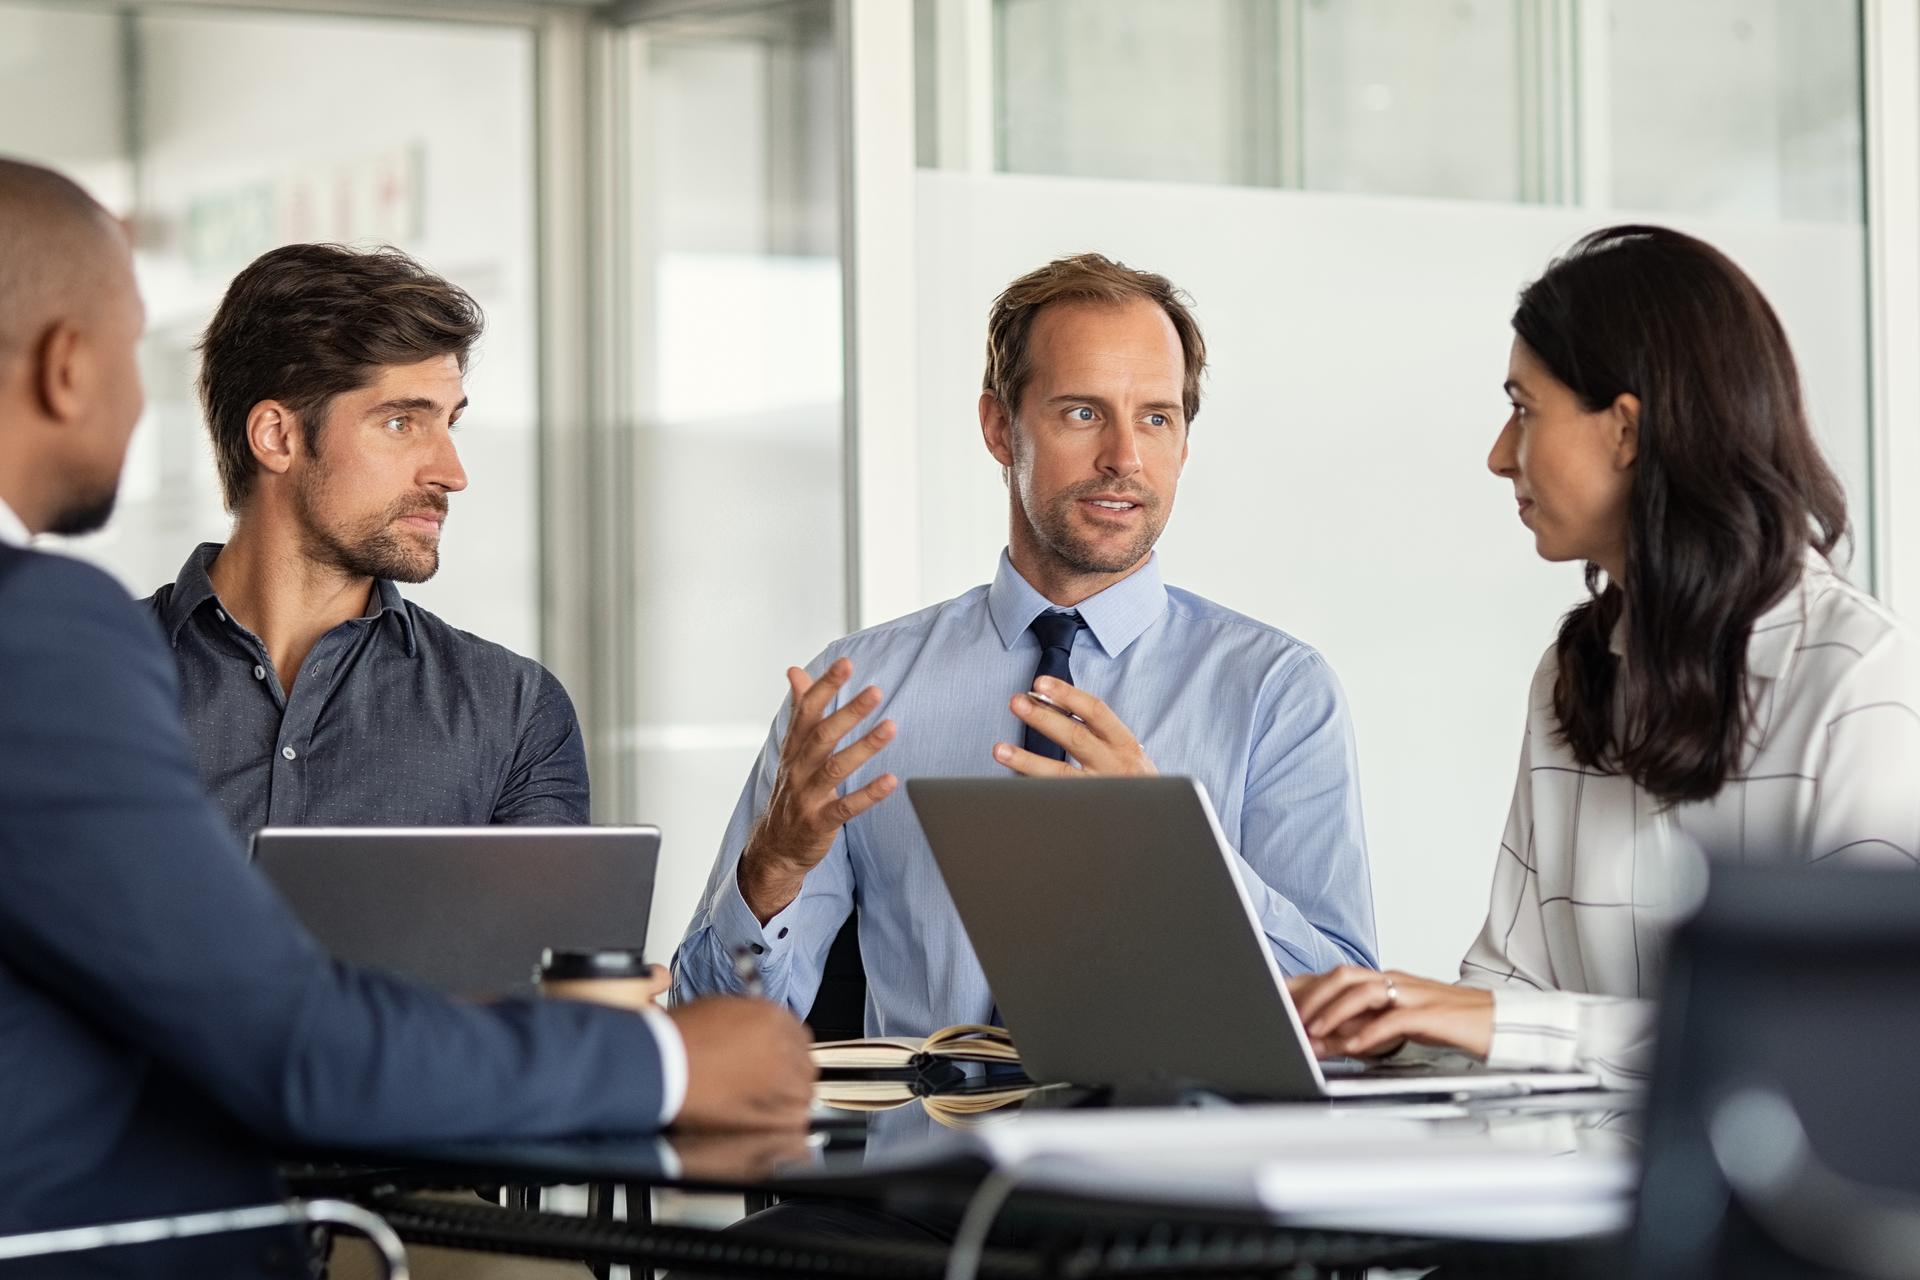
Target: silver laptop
[467, 910]
[1111, 921]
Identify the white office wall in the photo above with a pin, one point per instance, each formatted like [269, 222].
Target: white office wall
[1337, 486]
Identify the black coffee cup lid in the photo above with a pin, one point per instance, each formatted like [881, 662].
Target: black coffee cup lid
[568, 964]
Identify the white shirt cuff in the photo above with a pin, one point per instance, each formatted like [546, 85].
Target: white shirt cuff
[1534, 1029]
[673, 1064]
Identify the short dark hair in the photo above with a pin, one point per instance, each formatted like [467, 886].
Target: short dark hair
[307, 322]
[1084, 277]
[1729, 494]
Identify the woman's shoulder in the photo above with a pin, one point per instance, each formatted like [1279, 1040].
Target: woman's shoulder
[1545, 673]
[1838, 614]
[1848, 639]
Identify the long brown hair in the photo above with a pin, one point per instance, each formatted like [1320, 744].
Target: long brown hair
[1729, 492]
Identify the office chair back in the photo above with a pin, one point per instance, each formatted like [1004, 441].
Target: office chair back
[1783, 1125]
[840, 1007]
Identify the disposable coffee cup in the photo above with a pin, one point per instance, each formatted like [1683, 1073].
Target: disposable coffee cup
[609, 975]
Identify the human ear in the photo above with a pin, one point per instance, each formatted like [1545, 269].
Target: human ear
[996, 428]
[1626, 430]
[59, 375]
[272, 437]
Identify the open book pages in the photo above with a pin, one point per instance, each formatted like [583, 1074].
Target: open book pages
[968, 1042]
[950, 1109]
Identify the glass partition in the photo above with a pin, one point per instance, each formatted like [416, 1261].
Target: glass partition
[1409, 97]
[735, 486]
[1772, 120]
[367, 131]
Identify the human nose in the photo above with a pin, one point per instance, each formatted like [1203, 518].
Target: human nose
[1120, 451]
[443, 470]
[1504, 459]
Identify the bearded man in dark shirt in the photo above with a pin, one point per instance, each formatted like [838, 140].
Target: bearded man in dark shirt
[315, 694]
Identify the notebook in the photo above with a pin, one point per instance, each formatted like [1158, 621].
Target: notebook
[968, 1042]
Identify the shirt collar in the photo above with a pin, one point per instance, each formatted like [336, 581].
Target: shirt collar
[194, 588]
[1117, 616]
[1776, 632]
[13, 531]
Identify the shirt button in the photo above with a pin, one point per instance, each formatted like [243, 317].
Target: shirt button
[220, 614]
[259, 673]
[288, 752]
[758, 949]
[783, 933]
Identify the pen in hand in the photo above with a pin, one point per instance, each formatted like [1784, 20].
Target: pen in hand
[747, 969]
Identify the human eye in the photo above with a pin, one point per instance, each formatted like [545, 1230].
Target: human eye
[1081, 413]
[1158, 420]
[396, 424]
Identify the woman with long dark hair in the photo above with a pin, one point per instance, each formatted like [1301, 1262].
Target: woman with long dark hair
[1721, 691]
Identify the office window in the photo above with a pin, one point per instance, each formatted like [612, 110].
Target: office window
[373, 131]
[63, 98]
[1769, 93]
[1748, 108]
[735, 505]
[1156, 89]
[1384, 96]
[1411, 97]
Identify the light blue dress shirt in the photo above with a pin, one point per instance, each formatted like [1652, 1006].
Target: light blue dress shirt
[1251, 712]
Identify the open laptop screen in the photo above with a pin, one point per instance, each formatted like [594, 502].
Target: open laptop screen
[466, 910]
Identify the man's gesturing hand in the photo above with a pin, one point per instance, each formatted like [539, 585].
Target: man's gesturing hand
[807, 810]
[1092, 735]
[749, 1065]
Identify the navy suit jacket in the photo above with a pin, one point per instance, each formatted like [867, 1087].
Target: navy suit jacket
[164, 1020]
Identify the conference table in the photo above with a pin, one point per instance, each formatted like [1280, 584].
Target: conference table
[1059, 1185]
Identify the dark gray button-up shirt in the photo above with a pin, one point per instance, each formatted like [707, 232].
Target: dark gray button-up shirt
[397, 719]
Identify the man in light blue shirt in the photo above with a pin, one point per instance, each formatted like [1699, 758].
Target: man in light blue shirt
[1092, 381]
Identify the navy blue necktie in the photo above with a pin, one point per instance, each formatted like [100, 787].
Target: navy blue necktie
[1056, 632]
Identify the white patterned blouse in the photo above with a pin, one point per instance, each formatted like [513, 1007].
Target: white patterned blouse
[1592, 869]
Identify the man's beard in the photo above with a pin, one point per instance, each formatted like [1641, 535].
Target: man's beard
[372, 549]
[86, 514]
[1053, 527]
